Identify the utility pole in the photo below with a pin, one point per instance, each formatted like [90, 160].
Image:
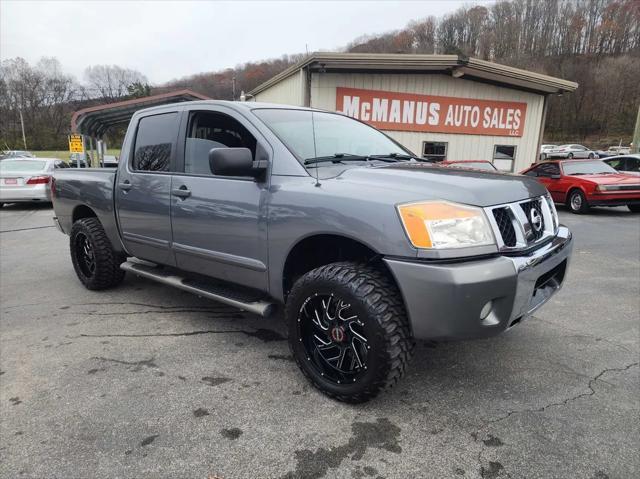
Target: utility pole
[24, 138]
[233, 88]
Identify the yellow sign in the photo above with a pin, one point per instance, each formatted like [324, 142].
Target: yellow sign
[76, 145]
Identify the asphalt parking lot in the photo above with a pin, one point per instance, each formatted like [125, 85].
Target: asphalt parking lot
[148, 381]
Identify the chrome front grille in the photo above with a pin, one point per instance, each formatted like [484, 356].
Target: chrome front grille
[523, 224]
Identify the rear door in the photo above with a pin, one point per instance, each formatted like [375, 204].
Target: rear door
[219, 222]
[143, 188]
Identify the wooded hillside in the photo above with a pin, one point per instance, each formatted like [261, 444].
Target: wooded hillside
[593, 42]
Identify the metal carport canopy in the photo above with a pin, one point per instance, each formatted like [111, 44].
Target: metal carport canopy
[95, 120]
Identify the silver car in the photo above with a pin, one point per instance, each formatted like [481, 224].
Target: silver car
[628, 164]
[569, 152]
[27, 179]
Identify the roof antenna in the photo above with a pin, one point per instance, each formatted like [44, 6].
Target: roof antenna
[315, 150]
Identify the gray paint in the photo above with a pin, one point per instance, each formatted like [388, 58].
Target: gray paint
[242, 230]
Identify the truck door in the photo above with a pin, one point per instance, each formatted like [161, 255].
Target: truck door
[219, 226]
[143, 188]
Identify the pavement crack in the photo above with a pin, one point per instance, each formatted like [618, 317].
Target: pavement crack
[134, 365]
[496, 469]
[564, 402]
[27, 229]
[265, 335]
[159, 335]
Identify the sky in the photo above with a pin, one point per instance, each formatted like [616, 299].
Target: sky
[166, 40]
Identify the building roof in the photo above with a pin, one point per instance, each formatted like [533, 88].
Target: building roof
[95, 120]
[455, 65]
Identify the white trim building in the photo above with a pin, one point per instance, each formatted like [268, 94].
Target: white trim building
[439, 106]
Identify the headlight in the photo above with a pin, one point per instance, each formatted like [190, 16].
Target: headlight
[440, 224]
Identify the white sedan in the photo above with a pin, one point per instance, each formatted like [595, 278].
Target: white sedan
[27, 179]
[570, 152]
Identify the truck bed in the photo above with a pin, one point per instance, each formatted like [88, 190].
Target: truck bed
[76, 190]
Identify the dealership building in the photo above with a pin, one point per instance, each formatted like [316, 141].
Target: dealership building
[441, 107]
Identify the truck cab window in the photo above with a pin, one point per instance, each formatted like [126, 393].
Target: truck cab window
[155, 142]
[208, 130]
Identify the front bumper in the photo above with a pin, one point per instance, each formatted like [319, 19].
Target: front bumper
[614, 199]
[445, 300]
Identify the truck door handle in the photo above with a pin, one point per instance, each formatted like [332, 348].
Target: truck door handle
[125, 185]
[182, 192]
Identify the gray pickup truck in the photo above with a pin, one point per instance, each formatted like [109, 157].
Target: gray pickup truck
[257, 205]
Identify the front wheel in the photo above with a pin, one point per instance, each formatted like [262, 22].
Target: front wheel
[348, 330]
[634, 208]
[591, 156]
[95, 261]
[577, 202]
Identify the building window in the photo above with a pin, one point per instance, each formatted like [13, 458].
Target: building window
[434, 150]
[504, 157]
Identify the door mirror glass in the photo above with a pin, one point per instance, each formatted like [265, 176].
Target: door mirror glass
[232, 162]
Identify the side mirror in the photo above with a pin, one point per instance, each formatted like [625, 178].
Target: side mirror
[555, 177]
[234, 162]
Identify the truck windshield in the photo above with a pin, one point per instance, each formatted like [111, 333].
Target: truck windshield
[329, 140]
[597, 167]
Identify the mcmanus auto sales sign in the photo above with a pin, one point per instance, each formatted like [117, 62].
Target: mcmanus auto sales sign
[425, 113]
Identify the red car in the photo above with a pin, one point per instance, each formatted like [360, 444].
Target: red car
[581, 184]
[473, 164]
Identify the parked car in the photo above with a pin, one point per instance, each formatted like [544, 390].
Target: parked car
[367, 248]
[569, 152]
[16, 154]
[614, 151]
[544, 149]
[109, 161]
[80, 160]
[27, 179]
[581, 184]
[628, 164]
[473, 164]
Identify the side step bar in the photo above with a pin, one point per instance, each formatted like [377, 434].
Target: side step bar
[221, 294]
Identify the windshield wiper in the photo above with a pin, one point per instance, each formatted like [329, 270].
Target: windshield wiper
[335, 158]
[341, 157]
[394, 157]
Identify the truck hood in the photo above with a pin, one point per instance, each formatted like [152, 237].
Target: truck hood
[420, 181]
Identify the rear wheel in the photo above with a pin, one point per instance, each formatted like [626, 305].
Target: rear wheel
[570, 156]
[577, 202]
[94, 259]
[348, 330]
[634, 208]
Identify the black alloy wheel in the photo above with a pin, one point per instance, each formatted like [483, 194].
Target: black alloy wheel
[96, 263]
[348, 330]
[333, 337]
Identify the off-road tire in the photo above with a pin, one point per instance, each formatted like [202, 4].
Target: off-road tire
[107, 272]
[378, 302]
[576, 202]
[634, 208]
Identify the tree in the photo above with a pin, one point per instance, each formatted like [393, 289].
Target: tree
[111, 82]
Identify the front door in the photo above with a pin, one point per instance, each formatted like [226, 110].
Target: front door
[143, 188]
[219, 227]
